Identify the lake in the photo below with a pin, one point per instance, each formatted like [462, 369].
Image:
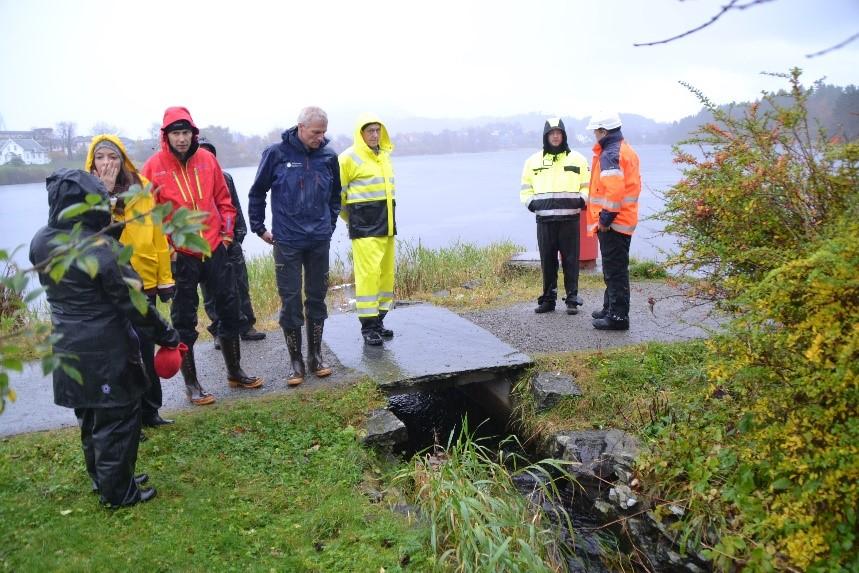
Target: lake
[471, 197]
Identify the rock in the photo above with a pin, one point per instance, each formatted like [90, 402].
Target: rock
[622, 497]
[677, 510]
[549, 388]
[472, 284]
[602, 454]
[605, 509]
[385, 430]
[444, 293]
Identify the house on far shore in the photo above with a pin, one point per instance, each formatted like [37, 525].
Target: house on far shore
[27, 150]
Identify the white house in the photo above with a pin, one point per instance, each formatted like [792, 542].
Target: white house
[28, 150]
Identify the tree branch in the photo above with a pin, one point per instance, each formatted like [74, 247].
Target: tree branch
[833, 48]
[731, 5]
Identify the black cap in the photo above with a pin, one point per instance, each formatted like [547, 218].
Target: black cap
[179, 124]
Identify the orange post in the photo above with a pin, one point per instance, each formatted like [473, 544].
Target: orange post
[588, 245]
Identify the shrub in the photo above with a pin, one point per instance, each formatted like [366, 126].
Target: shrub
[762, 185]
[769, 472]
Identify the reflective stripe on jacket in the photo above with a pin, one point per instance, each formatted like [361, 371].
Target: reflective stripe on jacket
[615, 184]
[368, 192]
[151, 257]
[555, 187]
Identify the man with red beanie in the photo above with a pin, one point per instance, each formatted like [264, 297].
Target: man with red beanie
[185, 175]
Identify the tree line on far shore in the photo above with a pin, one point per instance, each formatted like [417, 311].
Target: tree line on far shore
[834, 108]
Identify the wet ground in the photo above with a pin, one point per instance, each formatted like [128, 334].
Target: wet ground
[429, 341]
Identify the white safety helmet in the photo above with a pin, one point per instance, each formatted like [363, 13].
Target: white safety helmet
[604, 120]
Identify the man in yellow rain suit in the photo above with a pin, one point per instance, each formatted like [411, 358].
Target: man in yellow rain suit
[368, 204]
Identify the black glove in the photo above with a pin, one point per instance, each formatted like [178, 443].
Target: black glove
[531, 207]
[170, 338]
[166, 294]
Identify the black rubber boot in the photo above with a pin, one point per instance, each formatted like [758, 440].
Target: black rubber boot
[370, 331]
[545, 306]
[315, 363]
[611, 322]
[232, 351]
[601, 313]
[385, 333]
[156, 420]
[193, 389]
[293, 345]
[253, 334]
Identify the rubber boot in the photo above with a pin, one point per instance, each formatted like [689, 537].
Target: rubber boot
[253, 334]
[315, 363]
[385, 333]
[611, 322]
[545, 306]
[232, 351]
[193, 390]
[370, 331]
[573, 303]
[296, 362]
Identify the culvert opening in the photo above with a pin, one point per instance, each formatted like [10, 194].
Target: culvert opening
[437, 416]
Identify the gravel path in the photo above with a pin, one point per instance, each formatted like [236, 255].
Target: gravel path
[672, 319]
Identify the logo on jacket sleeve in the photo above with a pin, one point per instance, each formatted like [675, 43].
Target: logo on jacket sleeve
[291, 164]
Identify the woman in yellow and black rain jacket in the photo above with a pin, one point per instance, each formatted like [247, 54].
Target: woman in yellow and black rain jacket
[368, 201]
[108, 160]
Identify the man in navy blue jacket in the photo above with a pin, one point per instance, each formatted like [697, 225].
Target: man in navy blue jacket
[304, 178]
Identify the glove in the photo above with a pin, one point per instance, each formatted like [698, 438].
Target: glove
[167, 293]
[531, 207]
[169, 339]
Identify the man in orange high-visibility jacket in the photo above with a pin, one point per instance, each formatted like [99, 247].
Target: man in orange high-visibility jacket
[613, 215]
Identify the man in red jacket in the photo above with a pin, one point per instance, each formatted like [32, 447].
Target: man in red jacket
[185, 175]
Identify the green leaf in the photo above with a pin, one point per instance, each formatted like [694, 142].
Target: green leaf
[4, 255]
[781, 483]
[12, 364]
[19, 282]
[58, 270]
[72, 373]
[139, 300]
[124, 256]
[33, 295]
[50, 363]
[198, 244]
[93, 199]
[89, 265]
[74, 210]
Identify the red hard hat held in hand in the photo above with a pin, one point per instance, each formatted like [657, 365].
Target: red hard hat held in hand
[168, 360]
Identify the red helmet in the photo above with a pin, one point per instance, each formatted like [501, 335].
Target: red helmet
[168, 360]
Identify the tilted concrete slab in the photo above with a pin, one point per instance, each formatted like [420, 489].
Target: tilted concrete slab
[432, 347]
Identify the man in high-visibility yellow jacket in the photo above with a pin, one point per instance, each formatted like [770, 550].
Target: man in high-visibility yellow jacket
[368, 206]
[613, 215]
[554, 187]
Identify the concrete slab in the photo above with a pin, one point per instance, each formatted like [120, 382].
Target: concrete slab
[432, 346]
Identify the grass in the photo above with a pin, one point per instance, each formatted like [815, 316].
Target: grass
[479, 521]
[262, 484]
[635, 388]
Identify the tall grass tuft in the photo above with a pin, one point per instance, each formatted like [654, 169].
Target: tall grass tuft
[423, 270]
[479, 521]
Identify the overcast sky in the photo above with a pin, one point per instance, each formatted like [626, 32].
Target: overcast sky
[251, 65]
